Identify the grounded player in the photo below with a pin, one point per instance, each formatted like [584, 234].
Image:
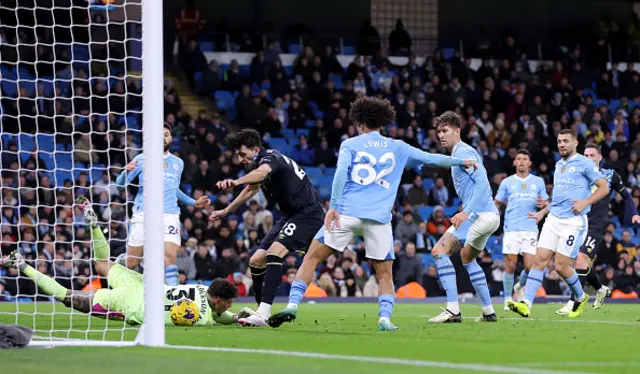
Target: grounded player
[364, 189]
[564, 231]
[284, 182]
[125, 299]
[173, 167]
[470, 228]
[598, 218]
[522, 193]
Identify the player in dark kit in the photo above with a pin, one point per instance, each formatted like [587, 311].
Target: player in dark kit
[284, 182]
[598, 218]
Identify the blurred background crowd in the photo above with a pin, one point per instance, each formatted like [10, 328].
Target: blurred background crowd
[72, 119]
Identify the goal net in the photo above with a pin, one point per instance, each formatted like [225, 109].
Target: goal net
[71, 101]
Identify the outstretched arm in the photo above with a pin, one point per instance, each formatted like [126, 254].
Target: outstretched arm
[128, 174]
[436, 159]
[630, 211]
[183, 198]
[247, 193]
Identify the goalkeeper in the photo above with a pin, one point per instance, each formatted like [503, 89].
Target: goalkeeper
[125, 299]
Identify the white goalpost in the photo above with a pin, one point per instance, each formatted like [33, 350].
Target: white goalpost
[74, 78]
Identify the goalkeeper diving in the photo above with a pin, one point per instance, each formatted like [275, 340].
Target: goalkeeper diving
[125, 299]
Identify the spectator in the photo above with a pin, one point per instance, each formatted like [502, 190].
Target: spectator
[439, 194]
[303, 154]
[406, 229]
[437, 218]
[417, 194]
[408, 267]
[83, 152]
[204, 264]
[186, 264]
[399, 40]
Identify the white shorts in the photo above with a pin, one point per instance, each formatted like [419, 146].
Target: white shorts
[476, 229]
[378, 237]
[564, 235]
[519, 242]
[171, 229]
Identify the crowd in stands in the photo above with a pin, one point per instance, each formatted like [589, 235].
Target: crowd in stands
[92, 127]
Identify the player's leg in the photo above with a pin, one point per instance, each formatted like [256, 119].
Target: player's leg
[510, 252]
[477, 237]
[172, 241]
[99, 244]
[447, 244]
[135, 243]
[272, 279]
[586, 274]
[528, 251]
[573, 236]
[45, 284]
[323, 245]
[258, 268]
[258, 261]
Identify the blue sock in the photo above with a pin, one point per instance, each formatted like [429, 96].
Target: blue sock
[534, 282]
[523, 278]
[298, 288]
[447, 275]
[507, 285]
[574, 282]
[386, 301]
[479, 282]
[171, 275]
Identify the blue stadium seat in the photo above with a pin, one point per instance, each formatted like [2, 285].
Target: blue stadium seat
[614, 104]
[198, 81]
[314, 173]
[63, 160]
[304, 132]
[206, 46]
[49, 163]
[589, 92]
[425, 212]
[330, 171]
[326, 179]
[447, 53]
[313, 105]
[186, 188]
[615, 221]
[46, 142]
[224, 99]
[9, 87]
[348, 50]
[6, 138]
[456, 201]
[192, 282]
[318, 114]
[325, 192]
[310, 123]
[47, 85]
[337, 81]
[289, 134]
[295, 48]
[427, 184]
[60, 176]
[618, 233]
[635, 240]
[288, 70]
[132, 123]
[450, 211]
[279, 144]
[26, 142]
[598, 102]
[427, 260]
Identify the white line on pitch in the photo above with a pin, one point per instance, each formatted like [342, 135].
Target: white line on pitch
[384, 360]
[628, 323]
[569, 364]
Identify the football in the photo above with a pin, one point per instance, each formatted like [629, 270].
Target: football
[184, 313]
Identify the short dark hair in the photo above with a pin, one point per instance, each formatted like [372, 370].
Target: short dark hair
[523, 151]
[371, 112]
[450, 119]
[594, 146]
[167, 126]
[567, 132]
[250, 138]
[223, 288]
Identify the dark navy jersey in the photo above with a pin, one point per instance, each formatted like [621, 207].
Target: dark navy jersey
[599, 214]
[287, 184]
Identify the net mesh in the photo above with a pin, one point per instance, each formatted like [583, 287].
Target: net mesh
[71, 119]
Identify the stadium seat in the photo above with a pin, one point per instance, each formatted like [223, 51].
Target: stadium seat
[206, 46]
[295, 48]
[6, 138]
[450, 211]
[617, 233]
[425, 212]
[456, 201]
[348, 50]
[60, 176]
[199, 84]
[325, 192]
[337, 81]
[310, 123]
[598, 102]
[304, 132]
[329, 171]
[427, 260]
[46, 142]
[314, 173]
[615, 221]
[614, 104]
[279, 144]
[224, 99]
[289, 134]
[427, 184]
[26, 142]
[186, 188]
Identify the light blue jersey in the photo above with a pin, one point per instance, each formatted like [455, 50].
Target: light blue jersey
[572, 180]
[369, 172]
[521, 196]
[472, 185]
[173, 167]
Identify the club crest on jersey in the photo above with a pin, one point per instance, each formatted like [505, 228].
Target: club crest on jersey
[564, 168]
[166, 164]
[524, 186]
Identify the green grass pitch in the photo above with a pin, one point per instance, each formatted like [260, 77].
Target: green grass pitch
[602, 341]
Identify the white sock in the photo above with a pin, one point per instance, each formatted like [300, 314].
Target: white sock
[486, 310]
[580, 299]
[383, 319]
[601, 289]
[264, 310]
[454, 307]
[292, 306]
[516, 287]
[527, 302]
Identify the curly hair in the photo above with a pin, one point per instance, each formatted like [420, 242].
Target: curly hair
[223, 288]
[450, 119]
[371, 112]
[248, 137]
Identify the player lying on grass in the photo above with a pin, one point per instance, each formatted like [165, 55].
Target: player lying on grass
[521, 193]
[566, 228]
[364, 189]
[173, 167]
[470, 229]
[285, 183]
[598, 218]
[125, 299]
